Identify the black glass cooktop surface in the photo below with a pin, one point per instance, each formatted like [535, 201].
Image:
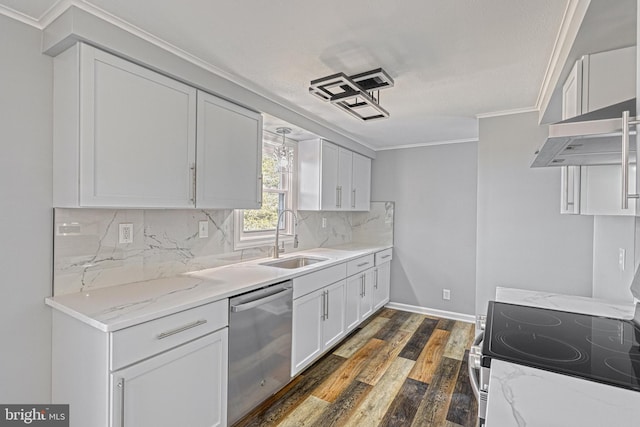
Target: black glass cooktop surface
[596, 348]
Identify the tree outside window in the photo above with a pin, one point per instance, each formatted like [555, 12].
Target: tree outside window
[256, 227]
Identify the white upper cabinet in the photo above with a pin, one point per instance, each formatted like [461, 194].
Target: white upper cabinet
[331, 176]
[327, 159]
[361, 185]
[345, 171]
[596, 81]
[125, 136]
[229, 155]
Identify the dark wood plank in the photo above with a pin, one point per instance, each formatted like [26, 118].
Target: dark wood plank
[387, 312]
[395, 322]
[382, 359]
[463, 408]
[404, 407]
[276, 408]
[360, 338]
[339, 380]
[446, 324]
[429, 360]
[434, 407]
[418, 340]
[372, 409]
[344, 406]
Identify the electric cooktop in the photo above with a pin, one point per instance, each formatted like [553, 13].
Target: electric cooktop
[595, 348]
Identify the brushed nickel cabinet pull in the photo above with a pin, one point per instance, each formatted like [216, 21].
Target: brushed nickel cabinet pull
[188, 326]
[193, 183]
[625, 160]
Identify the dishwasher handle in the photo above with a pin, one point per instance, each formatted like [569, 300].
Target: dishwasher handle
[235, 308]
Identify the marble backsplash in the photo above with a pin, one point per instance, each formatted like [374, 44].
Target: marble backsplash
[166, 243]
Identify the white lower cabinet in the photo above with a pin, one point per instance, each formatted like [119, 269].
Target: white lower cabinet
[382, 278]
[381, 285]
[171, 371]
[184, 386]
[318, 323]
[359, 297]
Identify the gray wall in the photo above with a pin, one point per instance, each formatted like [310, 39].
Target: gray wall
[434, 190]
[523, 241]
[610, 233]
[25, 215]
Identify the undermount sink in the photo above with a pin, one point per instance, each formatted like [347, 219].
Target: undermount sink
[293, 262]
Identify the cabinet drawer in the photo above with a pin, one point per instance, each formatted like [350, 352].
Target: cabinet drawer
[360, 264]
[310, 282]
[384, 256]
[138, 342]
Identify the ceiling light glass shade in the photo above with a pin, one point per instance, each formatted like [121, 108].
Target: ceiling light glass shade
[283, 154]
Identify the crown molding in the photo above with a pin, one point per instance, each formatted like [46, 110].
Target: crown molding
[427, 144]
[569, 26]
[506, 112]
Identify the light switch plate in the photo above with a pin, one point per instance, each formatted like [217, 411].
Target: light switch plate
[203, 229]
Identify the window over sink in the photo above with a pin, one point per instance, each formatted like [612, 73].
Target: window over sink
[257, 227]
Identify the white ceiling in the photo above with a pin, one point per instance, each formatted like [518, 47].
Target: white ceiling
[451, 60]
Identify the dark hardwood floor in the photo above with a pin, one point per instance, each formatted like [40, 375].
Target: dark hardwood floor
[398, 369]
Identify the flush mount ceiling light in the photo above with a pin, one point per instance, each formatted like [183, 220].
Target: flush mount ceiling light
[283, 154]
[358, 95]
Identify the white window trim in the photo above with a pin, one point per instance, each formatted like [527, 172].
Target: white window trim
[265, 238]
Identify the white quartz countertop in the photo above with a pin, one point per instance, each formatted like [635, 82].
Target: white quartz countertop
[570, 303]
[523, 396]
[113, 308]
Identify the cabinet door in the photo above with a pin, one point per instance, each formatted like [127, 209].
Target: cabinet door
[186, 386]
[229, 155]
[333, 327]
[306, 342]
[361, 185]
[329, 177]
[366, 298]
[352, 301]
[345, 175]
[571, 107]
[572, 92]
[137, 135]
[599, 190]
[570, 190]
[381, 285]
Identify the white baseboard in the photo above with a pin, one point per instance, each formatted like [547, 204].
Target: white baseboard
[432, 312]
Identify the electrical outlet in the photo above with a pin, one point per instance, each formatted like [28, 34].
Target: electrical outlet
[622, 258]
[203, 229]
[446, 294]
[324, 222]
[125, 233]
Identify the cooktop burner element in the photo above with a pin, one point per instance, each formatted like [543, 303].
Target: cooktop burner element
[624, 366]
[595, 348]
[528, 318]
[541, 347]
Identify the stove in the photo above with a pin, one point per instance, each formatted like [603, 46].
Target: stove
[594, 348]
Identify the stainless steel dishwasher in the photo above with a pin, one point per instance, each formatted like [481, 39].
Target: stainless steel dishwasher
[259, 346]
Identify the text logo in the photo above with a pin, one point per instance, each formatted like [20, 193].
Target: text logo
[34, 415]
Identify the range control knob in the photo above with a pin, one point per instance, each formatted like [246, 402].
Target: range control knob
[481, 322]
[475, 357]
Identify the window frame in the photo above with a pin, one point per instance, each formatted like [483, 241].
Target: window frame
[251, 239]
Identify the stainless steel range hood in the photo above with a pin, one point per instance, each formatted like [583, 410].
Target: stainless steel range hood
[594, 138]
